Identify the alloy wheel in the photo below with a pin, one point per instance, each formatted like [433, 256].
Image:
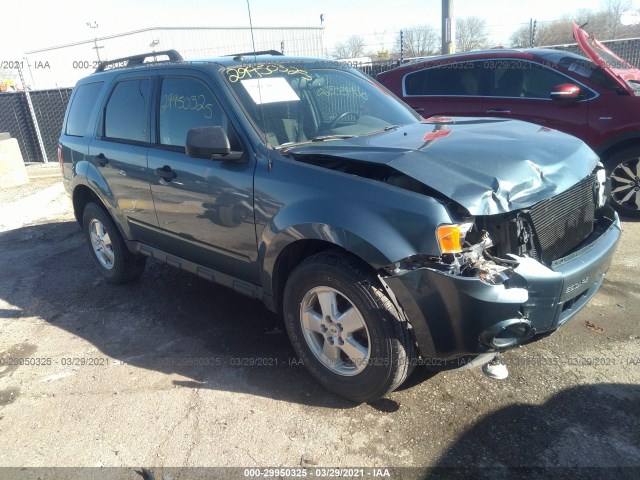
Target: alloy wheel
[335, 331]
[625, 184]
[101, 244]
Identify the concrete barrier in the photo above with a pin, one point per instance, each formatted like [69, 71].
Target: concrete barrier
[12, 169]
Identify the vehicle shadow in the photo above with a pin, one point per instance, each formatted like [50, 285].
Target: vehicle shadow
[590, 431]
[169, 321]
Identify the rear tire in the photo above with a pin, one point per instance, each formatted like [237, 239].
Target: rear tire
[345, 329]
[623, 168]
[109, 251]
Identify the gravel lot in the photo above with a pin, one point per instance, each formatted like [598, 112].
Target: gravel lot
[175, 372]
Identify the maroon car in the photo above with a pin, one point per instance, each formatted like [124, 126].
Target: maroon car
[596, 98]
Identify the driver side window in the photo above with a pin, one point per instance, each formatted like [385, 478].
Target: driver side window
[186, 103]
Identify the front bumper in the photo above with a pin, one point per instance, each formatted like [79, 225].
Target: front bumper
[454, 316]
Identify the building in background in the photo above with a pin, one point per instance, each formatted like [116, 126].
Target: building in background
[63, 65]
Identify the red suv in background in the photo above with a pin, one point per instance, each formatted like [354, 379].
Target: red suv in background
[597, 99]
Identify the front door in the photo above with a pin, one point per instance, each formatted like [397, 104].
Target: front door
[520, 90]
[204, 207]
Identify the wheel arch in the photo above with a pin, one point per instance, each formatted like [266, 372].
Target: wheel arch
[289, 247]
[293, 255]
[617, 144]
[82, 195]
[88, 184]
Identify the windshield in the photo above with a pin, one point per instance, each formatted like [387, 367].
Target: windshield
[292, 104]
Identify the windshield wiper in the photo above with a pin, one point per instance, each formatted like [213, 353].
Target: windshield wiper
[385, 129]
[322, 138]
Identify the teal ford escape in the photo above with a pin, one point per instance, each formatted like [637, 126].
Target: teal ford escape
[384, 239]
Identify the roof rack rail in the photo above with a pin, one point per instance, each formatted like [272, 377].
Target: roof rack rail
[173, 55]
[262, 52]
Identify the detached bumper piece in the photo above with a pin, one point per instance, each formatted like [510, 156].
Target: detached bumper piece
[454, 316]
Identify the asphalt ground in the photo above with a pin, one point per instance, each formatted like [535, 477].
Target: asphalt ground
[174, 372]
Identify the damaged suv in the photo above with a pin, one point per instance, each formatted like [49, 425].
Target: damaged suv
[384, 239]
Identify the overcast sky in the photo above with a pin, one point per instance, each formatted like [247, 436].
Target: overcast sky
[29, 25]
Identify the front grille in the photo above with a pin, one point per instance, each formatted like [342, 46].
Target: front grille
[563, 222]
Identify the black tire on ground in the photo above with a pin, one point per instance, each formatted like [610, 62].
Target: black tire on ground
[343, 283]
[623, 168]
[110, 254]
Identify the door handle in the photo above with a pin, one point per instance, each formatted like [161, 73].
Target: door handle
[102, 159]
[504, 112]
[418, 109]
[166, 173]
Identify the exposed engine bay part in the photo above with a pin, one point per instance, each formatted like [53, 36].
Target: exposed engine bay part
[471, 260]
[495, 369]
[478, 361]
[379, 172]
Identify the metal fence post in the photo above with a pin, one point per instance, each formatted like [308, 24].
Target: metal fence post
[34, 119]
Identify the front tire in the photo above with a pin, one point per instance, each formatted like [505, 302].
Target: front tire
[109, 251]
[345, 329]
[624, 171]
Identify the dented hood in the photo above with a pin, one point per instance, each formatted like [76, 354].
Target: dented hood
[487, 165]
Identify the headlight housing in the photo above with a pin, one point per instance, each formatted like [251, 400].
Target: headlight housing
[601, 178]
[451, 236]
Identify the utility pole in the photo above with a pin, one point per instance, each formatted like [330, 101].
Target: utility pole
[532, 32]
[401, 46]
[448, 28]
[92, 25]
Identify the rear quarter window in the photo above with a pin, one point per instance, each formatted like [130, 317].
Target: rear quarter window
[81, 107]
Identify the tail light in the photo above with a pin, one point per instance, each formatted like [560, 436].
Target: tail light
[60, 159]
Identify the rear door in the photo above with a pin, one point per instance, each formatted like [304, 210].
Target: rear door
[446, 89]
[119, 152]
[204, 207]
[520, 89]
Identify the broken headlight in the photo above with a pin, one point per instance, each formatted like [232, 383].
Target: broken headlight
[451, 237]
[476, 261]
[601, 178]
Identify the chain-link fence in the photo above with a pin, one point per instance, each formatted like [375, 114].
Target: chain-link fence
[16, 119]
[37, 128]
[49, 107]
[628, 49]
[374, 68]
[36, 121]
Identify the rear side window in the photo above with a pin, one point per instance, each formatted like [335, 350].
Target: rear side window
[446, 79]
[125, 117]
[83, 102]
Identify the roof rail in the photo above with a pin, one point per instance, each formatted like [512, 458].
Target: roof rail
[262, 52]
[173, 55]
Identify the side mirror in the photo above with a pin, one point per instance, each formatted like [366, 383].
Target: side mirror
[565, 91]
[211, 143]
